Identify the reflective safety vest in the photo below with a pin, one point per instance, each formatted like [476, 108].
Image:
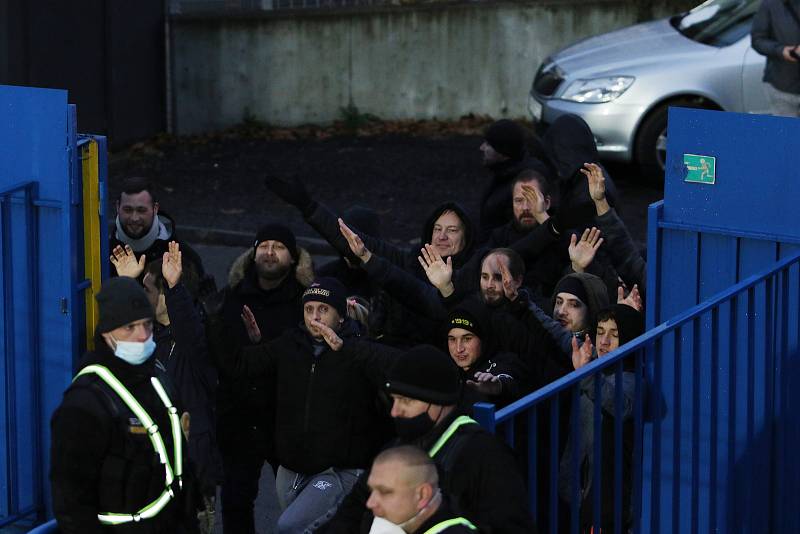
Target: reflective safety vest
[152, 509]
[455, 425]
[439, 527]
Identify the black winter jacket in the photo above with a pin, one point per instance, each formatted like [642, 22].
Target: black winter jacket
[476, 471]
[245, 411]
[325, 401]
[101, 457]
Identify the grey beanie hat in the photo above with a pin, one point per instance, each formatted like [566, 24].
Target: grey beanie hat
[120, 301]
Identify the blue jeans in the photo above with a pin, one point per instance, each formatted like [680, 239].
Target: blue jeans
[309, 501]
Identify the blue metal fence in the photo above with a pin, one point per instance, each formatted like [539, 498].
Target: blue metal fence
[760, 315]
[21, 469]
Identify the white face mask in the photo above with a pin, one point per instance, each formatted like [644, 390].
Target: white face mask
[384, 526]
[134, 352]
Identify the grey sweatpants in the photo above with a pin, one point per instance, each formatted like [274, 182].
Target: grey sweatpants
[308, 501]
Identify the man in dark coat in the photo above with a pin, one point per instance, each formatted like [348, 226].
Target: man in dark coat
[325, 405]
[776, 34]
[117, 451]
[475, 469]
[261, 301]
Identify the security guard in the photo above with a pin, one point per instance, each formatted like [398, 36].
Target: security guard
[117, 452]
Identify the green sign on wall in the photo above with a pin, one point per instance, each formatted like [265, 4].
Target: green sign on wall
[700, 169]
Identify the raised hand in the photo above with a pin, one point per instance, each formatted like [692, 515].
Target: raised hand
[510, 286]
[438, 271]
[124, 261]
[582, 252]
[486, 383]
[536, 199]
[250, 325]
[331, 338]
[597, 186]
[356, 244]
[634, 299]
[171, 264]
[583, 354]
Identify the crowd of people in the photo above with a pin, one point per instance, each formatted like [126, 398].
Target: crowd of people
[355, 380]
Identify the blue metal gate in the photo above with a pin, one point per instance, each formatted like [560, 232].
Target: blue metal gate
[43, 216]
[713, 423]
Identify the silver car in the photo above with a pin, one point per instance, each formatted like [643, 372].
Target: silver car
[622, 82]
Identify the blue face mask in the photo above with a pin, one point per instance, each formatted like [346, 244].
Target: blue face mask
[134, 352]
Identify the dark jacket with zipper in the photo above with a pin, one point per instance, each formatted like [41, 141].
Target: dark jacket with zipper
[325, 400]
[245, 408]
[101, 457]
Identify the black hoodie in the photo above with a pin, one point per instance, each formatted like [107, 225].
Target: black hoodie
[569, 143]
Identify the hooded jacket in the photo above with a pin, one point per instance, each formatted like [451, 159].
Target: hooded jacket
[275, 310]
[403, 326]
[596, 294]
[101, 457]
[569, 143]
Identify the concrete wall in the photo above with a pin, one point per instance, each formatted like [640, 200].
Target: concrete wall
[439, 61]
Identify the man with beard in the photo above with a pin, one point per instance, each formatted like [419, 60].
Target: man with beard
[262, 299]
[504, 155]
[145, 231]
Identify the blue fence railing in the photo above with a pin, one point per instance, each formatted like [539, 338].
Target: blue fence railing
[755, 321]
[20, 468]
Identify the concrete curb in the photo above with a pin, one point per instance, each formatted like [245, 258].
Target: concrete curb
[233, 238]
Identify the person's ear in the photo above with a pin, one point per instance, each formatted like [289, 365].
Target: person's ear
[425, 495]
[546, 202]
[155, 208]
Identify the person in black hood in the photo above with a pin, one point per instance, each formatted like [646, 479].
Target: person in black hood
[504, 155]
[569, 144]
[616, 326]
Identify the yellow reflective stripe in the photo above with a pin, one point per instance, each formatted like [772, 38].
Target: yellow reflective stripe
[152, 509]
[435, 529]
[460, 421]
[177, 437]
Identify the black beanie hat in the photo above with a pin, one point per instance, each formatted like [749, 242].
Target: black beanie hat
[277, 232]
[464, 318]
[507, 138]
[330, 291]
[573, 286]
[425, 373]
[121, 300]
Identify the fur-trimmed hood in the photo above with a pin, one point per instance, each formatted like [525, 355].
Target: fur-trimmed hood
[303, 273]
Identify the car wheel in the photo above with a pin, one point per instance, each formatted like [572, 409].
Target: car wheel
[651, 142]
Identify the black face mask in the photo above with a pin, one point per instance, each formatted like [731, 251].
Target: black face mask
[411, 428]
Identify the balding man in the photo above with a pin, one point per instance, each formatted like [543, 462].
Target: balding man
[405, 495]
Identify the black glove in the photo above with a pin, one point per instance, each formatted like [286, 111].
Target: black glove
[292, 191]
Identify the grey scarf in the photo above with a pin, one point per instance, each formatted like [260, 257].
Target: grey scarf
[157, 231]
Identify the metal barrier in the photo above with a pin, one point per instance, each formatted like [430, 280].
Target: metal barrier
[758, 315]
[19, 328]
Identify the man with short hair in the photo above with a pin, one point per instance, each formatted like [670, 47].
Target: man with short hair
[324, 403]
[261, 301]
[405, 495]
[143, 229]
[117, 451]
